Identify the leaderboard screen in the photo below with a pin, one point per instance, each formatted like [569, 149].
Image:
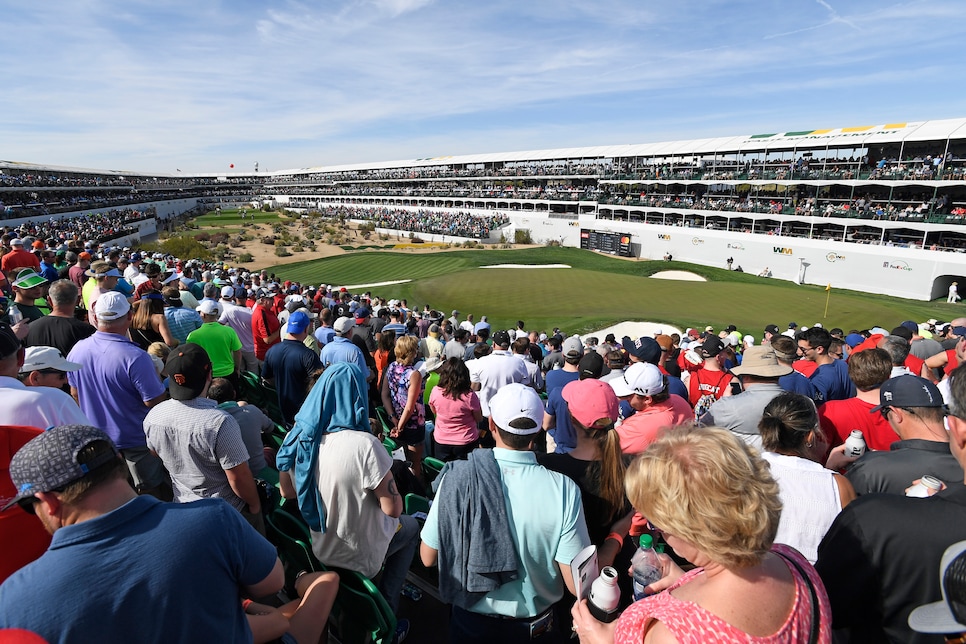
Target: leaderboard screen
[606, 242]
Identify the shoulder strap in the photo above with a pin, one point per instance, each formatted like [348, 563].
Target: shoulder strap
[816, 609]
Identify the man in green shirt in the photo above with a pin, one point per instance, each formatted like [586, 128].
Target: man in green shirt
[219, 341]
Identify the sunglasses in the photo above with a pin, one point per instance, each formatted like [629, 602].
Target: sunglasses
[886, 410]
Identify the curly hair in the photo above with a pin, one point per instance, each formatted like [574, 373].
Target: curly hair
[706, 486]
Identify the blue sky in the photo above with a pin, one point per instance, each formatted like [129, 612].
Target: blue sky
[200, 85]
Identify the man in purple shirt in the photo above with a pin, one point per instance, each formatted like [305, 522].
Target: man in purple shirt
[116, 388]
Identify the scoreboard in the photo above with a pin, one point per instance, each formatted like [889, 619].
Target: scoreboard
[606, 242]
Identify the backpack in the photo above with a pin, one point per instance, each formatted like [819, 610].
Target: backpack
[710, 395]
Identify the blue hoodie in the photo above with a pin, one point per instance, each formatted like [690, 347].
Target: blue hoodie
[338, 401]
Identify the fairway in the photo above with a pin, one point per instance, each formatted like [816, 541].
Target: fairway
[600, 290]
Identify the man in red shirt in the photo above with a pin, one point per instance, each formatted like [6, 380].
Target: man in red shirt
[868, 370]
[266, 329]
[78, 272]
[18, 258]
[22, 537]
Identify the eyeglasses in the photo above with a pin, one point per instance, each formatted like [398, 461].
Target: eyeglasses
[52, 372]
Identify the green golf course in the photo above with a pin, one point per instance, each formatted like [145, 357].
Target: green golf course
[599, 290]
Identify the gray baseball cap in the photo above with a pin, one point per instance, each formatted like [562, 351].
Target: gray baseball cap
[49, 461]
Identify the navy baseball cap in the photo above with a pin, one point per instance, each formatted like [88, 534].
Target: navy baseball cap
[908, 391]
[644, 349]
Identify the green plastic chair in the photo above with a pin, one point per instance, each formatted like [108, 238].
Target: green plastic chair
[390, 444]
[291, 537]
[361, 613]
[414, 503]
[431, 469]
[383, 417]
[256, 392]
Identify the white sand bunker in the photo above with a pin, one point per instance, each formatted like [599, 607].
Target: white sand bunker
[527, 266]
[684, 276]
[634, 330]
[353, 287]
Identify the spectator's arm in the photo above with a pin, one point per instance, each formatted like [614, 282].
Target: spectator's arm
[428, 554]
[165, 332]
[243, 484]
[568, 577]
[269, 585]
[937, 361]
[149, 403]
[286, 485]
[390, 502]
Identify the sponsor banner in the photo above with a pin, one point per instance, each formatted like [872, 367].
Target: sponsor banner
[897, 265]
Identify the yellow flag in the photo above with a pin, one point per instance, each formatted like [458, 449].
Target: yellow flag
[828, 287]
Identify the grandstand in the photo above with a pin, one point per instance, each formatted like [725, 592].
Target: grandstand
[875, 208]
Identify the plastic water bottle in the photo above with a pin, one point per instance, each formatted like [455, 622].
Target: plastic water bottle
[647, 566]
[605, 596]
[854, 445]
[926, 486]
[14, 315]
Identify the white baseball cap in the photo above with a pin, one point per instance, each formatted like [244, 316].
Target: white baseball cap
[641, 378]
[37, 358]
[946, 616]
[209, 307]
[111, 306]
[343, 324]
[517, 409]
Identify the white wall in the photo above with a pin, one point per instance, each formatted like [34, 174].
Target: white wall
[903, 272]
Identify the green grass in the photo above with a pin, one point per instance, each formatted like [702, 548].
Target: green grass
[600, 290]
[230, 217]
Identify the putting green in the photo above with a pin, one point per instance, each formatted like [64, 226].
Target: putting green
[601, 290]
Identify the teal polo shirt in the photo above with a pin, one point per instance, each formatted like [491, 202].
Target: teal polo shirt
[548, 528]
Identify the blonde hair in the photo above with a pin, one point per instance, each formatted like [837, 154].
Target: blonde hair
[706, 486]
[159, 355]
[159, 349]
[407, 347]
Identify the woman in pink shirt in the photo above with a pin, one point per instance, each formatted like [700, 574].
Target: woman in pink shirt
[458, 412]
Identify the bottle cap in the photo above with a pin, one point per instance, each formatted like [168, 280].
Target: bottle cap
[931, 482]
[647, 541]
[855, 432]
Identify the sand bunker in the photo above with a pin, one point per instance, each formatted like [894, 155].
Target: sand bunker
[634, 330]
[353, 287]
[684, 276]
